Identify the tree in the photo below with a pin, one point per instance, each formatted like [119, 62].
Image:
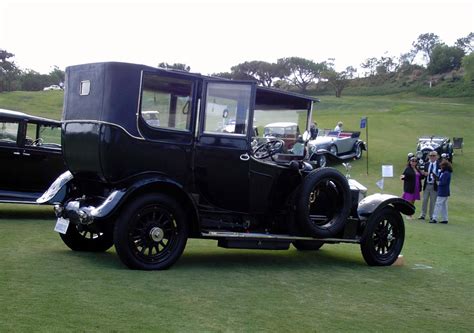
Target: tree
[261, 71]
[338, 81]
[302, 72]
[370, 65]
[8, 71]
[466, 43]
[425, 44]
[56, 75]
[407, 58]
[468, 65]
[178, 66]
[445, 58]
[31, 80]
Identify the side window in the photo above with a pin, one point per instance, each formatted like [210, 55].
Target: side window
[227, 108]
[166, 102]
[50, 134]
[8, 132]
[30, 133]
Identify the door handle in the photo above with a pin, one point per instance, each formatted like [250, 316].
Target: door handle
[244, 157]
[16, 153]
[26, 154]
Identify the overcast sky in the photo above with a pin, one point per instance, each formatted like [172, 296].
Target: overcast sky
[212, 36]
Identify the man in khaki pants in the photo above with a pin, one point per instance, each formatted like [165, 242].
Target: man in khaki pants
[430, 186]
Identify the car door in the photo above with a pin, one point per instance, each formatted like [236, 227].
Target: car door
[221, 160]
[10, 154]
[42, 161]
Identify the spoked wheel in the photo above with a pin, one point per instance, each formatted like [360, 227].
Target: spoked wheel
[333, 150]
[91, 238]
[151, 234]
[383, 238]
[322, 162]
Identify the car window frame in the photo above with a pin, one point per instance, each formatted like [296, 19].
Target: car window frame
[202, 111]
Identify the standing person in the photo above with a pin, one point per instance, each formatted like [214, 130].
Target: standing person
[441, 207]
[313, 130]
[430, 186]
[338, 127]
[411, 181]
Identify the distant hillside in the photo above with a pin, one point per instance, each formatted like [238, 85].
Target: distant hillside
[47, 104]
[451, 84]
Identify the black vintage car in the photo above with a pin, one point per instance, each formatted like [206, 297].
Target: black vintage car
[440, 144]
[30, 156]
[199, 169]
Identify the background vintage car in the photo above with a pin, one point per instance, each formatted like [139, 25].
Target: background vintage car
[335, 145]
[440, 144]
[30, 156]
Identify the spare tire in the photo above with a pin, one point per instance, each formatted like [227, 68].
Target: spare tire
[323, 203]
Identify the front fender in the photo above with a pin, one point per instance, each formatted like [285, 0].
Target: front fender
[369, 205]
[57, 191]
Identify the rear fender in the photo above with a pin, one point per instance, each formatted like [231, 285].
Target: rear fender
[375, 202]
[118, 197]
[56, 193]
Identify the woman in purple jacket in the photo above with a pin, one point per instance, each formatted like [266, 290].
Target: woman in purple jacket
[441, 207]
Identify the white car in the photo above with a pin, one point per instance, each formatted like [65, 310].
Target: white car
[52, 87]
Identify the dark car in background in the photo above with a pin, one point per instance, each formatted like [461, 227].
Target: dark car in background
[30, 156]
[440, 144]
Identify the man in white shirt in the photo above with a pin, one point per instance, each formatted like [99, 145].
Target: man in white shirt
[430, 186]
[338, 127]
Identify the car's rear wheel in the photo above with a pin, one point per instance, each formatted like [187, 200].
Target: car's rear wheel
[383, 237]
[302, 245]
[151, 233]
[89, 238]
[324, 203]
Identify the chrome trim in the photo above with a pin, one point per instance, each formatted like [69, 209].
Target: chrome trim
[55, 187]
[106, 123]
[253, 235]
[244, 157]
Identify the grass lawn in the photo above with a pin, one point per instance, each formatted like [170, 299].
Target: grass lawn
[46, 287]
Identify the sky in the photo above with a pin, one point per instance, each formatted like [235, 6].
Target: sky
[212, 36]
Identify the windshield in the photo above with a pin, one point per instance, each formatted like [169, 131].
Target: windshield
[283, 124]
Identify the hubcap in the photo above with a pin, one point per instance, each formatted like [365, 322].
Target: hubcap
[156, 234]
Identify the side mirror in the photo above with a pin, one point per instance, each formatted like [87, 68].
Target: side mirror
[306, 136]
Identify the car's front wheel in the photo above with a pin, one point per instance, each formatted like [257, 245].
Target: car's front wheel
[322, 161]
[358, 152]
[383, 237]
[89, 238]
[151, 233]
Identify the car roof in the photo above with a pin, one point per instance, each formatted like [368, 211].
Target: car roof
[16, 115]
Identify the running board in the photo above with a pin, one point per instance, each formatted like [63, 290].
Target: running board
[260, 236]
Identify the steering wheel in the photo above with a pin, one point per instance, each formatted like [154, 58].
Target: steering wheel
[268, 149]
[37, 142]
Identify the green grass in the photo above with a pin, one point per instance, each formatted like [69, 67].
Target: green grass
[48, 104]
[46, 287]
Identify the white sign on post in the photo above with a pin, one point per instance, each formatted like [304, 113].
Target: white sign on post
[387, 170]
